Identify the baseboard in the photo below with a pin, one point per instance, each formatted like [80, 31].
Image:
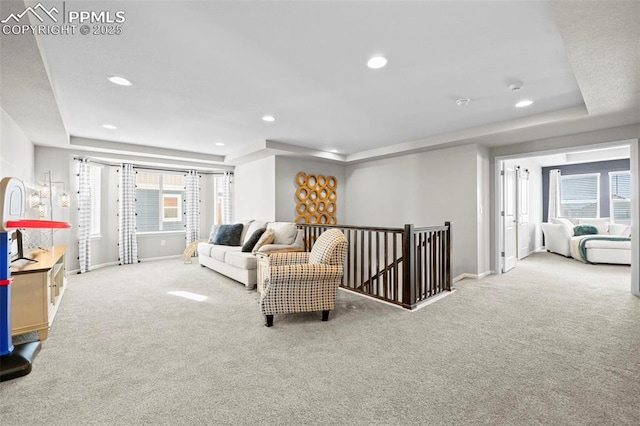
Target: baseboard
[104, 265]
[153, 259]
[471, 276]
[93, 267]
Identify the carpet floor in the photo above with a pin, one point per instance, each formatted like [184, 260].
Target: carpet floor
[553, 341]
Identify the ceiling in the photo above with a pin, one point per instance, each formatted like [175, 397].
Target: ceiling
[205, 73]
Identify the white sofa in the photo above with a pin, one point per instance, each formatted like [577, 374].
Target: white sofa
[559, 238]
[242, 266]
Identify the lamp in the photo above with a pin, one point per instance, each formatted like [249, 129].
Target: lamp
[63, 200]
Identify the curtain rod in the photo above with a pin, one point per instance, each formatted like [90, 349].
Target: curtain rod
[159, 169]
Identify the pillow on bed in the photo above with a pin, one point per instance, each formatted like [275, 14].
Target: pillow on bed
[584, 230]
[601, 223]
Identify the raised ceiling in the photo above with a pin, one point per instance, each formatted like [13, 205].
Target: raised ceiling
[204, 73]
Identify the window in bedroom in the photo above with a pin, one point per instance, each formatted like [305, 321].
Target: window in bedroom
[159, 199]
[580, 195]
[620, 183]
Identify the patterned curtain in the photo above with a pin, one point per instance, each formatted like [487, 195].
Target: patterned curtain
[192, 206]
[84, 215]
[227, 215]
[554, 194]
[127, 243]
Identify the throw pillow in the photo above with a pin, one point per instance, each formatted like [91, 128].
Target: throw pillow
[265, 238]
[585, 230]
[563, 221]
[283, 232]
[253, 227]
[253, 239]
[228, 235]
[602, 223]
[620, 229]
[214, 231]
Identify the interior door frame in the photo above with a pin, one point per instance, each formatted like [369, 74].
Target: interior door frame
[635, 201]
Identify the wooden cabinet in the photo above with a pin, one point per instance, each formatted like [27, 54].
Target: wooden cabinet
[36, 291]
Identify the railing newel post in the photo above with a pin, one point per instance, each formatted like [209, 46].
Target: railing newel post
[447, 259]
[408, 269]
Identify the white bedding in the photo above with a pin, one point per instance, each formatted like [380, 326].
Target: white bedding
[610, 243]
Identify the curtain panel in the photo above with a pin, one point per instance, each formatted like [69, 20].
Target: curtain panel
[227, 215]
[192, 206]
[84, 215]
[554, 194]
[127, 242]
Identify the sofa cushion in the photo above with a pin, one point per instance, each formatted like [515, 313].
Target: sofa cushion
[565, 222]
[283, 232]
[601, 223]
[228, 235]
[204, 249]
[252, 228]
[265, 238]
[241, 260]
[219, 252]
[252, 240]
[579, 230]
[619, 229]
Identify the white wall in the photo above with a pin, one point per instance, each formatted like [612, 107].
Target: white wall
[254, 186]
[424, 189]
[483, 212]
[16, 151]
[286, 170]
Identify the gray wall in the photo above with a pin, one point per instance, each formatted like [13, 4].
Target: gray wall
[286, 170]
[16, 151]
[424, 189]
[254, 186]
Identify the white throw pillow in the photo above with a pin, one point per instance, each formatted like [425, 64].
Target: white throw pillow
[283, 232]
[566, 222]
[619, 229]
[253, 227]
[601, 223]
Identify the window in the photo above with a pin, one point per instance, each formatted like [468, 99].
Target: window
[580, 195]
[620, 196]
[159, 198]
[95, 183]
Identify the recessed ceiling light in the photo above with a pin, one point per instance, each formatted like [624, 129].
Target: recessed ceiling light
[109, 126]
[377, 62]
[268, 118]
[120, 81]
[219, 144]
[463, 102]
[333, 150]
[524, 103]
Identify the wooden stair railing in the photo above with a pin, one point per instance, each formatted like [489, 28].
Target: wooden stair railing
[404, 266]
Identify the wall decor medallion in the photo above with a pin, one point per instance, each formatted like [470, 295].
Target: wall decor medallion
[316, 198]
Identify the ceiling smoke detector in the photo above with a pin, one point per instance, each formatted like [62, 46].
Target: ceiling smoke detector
[516, 87]
[463, 102]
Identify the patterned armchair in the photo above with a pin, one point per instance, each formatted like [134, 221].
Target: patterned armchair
[304, 281]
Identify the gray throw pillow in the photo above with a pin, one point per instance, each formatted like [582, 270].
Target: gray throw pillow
[253, 239]
[228, 235]
[214, 231]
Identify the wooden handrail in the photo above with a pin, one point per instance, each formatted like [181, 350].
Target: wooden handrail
[404, 266]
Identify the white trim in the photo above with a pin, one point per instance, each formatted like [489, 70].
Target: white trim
[153, 259]
[418, 306]
[158, 233]
[472, 276]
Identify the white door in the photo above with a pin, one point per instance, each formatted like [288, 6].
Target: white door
[523, 213]
[510, 223]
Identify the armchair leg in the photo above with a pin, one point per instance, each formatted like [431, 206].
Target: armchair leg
[269, 320]
[325, 315]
